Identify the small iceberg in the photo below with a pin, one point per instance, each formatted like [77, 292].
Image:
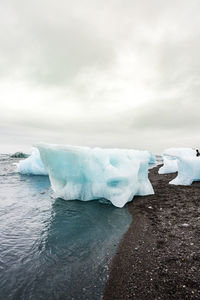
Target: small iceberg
[169, 165]
[185, 162]
[19, 155]
[170, 159]
[32, 165]
[188, 171]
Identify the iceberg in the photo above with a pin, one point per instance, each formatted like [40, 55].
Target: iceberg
[179, 152]
[83, 173]
[170, 159]
[170, 165]
[19, 155]
[152, 159]
[188, 171]
[32, 165]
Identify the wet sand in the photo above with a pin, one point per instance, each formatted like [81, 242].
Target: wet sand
[159, 256]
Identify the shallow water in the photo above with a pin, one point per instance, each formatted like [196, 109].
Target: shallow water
[51, 248]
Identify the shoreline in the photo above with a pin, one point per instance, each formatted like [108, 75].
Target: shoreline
[159, 256]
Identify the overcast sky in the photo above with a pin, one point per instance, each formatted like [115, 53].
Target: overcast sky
[107, 73]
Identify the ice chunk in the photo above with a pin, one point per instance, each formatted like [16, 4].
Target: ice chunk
[170, 157]
[32, 164]
[188, 171]
[19, 155]
[152, 159]
[170, 165]
[82, 173]
[180, 152]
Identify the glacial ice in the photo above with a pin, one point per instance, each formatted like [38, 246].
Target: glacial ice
[170, 165]
[82, 173]
[152, 158]
[170, 157]
[188, 171]
[32, 165]
[180, 152]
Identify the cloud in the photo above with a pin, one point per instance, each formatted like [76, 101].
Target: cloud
[101, 68]
[178, 114]
[52, 42]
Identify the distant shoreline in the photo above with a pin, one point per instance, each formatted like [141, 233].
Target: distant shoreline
[159, 256]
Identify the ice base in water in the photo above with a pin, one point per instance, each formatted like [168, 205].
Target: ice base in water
[82, 173]
[170, 157]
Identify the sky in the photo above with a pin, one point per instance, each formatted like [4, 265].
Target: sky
[107, 73]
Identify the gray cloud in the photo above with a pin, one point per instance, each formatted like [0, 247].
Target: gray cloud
[120, 71]
[51, 42]
[178, 114]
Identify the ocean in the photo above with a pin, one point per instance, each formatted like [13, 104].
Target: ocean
[51, 248]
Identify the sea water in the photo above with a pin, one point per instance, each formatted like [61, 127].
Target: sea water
[51, 248]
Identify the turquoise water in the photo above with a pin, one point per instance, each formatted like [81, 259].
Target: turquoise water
[51, 248]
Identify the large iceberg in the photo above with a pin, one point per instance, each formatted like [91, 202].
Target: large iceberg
[83, 173]
[188, 171]
[171, 156]
[32, 165]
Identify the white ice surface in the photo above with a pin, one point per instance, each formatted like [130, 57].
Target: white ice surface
[84, 173]
[180, 152]
[170, 165]
[152, 159]
[188, 171]
[170, 157]
[32, 165]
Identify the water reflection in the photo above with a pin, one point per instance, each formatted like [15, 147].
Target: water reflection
[51, 248]
[80, 240]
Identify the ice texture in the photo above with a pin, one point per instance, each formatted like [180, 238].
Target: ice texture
[188, 171]
[180, 152]
[32, 165]
[83, 173]
[170, 165]
[170, 157]
[152, 158]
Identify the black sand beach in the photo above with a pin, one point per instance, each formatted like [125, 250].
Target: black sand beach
[159, 256]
